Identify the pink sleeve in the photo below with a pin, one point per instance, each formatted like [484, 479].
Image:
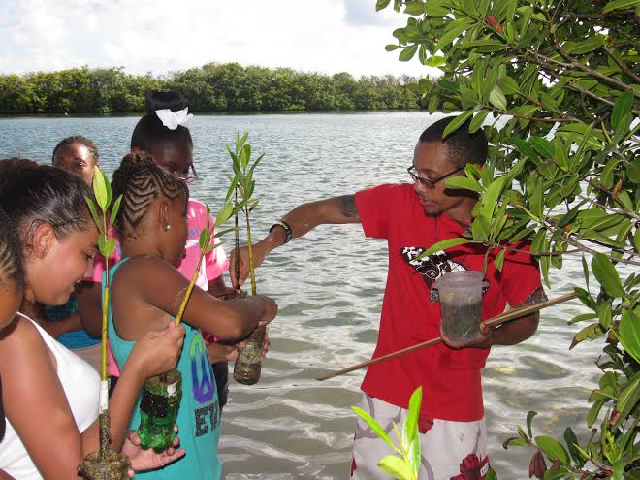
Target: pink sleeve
[216, 262]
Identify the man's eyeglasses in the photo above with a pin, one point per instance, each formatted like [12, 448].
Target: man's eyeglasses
[427, 182]
[185, 177]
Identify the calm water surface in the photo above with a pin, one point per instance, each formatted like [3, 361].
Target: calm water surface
[329, 286]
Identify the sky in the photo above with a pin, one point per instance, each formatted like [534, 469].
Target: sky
[160, 36]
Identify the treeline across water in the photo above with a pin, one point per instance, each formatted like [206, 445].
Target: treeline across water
[228, 87]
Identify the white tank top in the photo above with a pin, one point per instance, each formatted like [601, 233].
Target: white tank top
[81, 384]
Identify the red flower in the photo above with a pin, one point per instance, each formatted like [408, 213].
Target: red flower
[353, 466]
[424, 423]
[470, 468]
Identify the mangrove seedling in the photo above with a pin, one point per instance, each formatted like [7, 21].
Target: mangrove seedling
[249, 362]
[105, 463]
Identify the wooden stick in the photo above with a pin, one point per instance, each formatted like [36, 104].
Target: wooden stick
[492, 322]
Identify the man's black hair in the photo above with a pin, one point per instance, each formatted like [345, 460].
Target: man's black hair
[80, 140]
[150, 131]
[464, 147]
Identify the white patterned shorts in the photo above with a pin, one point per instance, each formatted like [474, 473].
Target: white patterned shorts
[450, 450]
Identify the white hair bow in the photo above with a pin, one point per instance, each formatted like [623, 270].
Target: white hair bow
[171, 119]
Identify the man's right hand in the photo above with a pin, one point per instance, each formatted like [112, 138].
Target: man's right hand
[258, 254]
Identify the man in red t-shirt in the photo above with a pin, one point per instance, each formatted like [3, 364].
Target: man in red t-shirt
[411, 218]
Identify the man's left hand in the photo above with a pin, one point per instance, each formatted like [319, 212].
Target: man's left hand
[483, 340]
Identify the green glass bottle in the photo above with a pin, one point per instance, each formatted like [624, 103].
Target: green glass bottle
[158, 409]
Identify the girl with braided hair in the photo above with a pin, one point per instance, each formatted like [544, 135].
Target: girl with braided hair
[51, 394]
[146, 292]
[163, 133]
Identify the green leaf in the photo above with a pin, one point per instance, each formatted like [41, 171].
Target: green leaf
[636, 240]
[525, 148]
[633, 172]
[536, 201]
[607, 275]
[395, 467]
[106, 245]
[435, 61]
[630, 333]
[391, 48]
[434, 8]
[584, 45]
[489, 198]
[224, 213]
[514, 442]
[94, 213]
[382, 4]
[374, 426]
[497, 99]
[530, 415]
[477, 121]
[232, 187]
[621, 108]
[449, 36]
[415, 455]
[442, 245]
[594, 411]
[414, 9]
[100, 188]
[466, 183]
[205, 237]
[585, 269]
[407, 53]
[619, 4]
[629, 397]
[411, 421]
[500, 260]
[114, 211]
[491, 475]
[543, 147]
[572, 445]
[456, 123]
[552, 448]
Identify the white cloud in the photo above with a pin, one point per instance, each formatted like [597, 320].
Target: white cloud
[163, 35]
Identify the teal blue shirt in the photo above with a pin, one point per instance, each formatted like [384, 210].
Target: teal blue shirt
[198, 415]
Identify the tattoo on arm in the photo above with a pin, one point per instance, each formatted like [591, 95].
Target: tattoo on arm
[348, 205]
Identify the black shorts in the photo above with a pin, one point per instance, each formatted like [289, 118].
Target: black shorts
[221, 374]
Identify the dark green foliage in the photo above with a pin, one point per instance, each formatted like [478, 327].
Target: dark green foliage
[214, 87]
[562, 82]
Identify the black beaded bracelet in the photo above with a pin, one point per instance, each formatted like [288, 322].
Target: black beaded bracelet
[287, 230]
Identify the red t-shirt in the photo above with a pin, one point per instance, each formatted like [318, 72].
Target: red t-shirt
[450, 378]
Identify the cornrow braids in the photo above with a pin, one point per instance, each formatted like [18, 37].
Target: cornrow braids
[10, 255]
[80, 140]
[33, 195]
[141, 182]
